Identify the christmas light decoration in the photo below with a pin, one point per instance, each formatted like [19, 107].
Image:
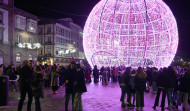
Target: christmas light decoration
[131, 33]
[29, 45]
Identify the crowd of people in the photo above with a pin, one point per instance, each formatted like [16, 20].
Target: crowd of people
[33, 79]
[172, 82]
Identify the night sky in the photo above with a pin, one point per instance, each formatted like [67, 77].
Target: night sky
[78, 10]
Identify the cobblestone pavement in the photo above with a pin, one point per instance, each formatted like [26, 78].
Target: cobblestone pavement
[98, 98]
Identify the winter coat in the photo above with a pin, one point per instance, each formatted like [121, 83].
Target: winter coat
[114, 72]
[79, 83]
[163, 80]
[174, 82]
[154, 75]
[104, 74]
[132, 81]
[95, 72]
[124, 80]
[54, 79]
[140, 83]
[184, 83]
[37, 85]
[47, 72]
[149, 75]
[11, 74]
[25, 77]
[70, 76]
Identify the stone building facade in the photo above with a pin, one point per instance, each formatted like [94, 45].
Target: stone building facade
[61, 40]
[25, 37]
[6, 7]
[16, 26]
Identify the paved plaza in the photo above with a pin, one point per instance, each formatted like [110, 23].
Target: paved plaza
[98, 98]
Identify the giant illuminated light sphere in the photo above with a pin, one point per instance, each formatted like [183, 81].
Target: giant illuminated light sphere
[131, 33]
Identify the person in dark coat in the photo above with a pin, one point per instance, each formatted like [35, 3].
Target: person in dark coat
[149, 78]
[109, 73]
[55, 79]
[69, 81]
[10, 71]
[140, 87]
[162, 83]
[124, 85]
[172, 86]
[184, 89]
[96, 74]
[79, 88]
[25, 78]
[154, 77]
[37, 86]
[132, 86]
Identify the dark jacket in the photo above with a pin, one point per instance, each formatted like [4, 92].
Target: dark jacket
[37, 85]
[154, 75]
[140, 83]
[174, 82]
[184, 85]
[163, 80]
[11, 74]
[132, 81]
[25, 77]
[79, 83]
[69, 76]
[124, 80]
[95, 72]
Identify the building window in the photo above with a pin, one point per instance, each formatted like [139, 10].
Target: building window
[18, 58]
[31, 25]
[49, 29]
[66, 33]
[48, 40]
[40, 30]
[40, 51]
[40, 40]
[19, 39]
[30, 40]
[1, 36]
[48, 51]
[29, 57]
[1, 18]
[20, 22]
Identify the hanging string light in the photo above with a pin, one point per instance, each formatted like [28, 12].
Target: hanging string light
[29, 45]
